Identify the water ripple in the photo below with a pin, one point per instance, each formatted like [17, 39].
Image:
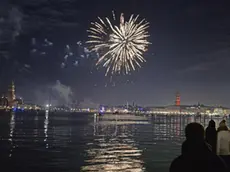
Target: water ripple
[83, 142]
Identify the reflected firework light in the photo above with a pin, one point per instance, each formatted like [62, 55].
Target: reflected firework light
[113, 148]
[120, 47]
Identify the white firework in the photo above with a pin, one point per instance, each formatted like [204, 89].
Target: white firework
[120, 47]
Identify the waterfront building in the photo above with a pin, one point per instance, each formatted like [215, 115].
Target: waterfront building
[10, 101]
[177, 102]
[189, 110]
[4, 101]
[10, 98]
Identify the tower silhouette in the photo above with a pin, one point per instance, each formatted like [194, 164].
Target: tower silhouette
[177, 102]
[11, 94]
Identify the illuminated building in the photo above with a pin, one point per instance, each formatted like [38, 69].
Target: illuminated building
[11, 102]
[11, 95]
[4, 101]
[177, 102]
[10, 99]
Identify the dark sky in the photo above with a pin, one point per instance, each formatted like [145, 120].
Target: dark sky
[190, 50]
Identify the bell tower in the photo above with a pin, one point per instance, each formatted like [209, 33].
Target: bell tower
[177, 102]
[11, 94]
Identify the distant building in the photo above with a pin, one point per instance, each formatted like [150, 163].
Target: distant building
[10, 99]
[11, 95]
[189, 110]
[4, 101]
[177, 102]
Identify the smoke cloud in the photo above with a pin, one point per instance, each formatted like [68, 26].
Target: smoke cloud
[10, 27]
[15, 19]
[62, 93]
[88, 103]
[55, 94]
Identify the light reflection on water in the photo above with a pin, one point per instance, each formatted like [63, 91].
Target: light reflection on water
[46, 125]
[114, 150]
[74, 142]
[12, 126]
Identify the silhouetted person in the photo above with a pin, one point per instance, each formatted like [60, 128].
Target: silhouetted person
[222, 126]
[197, 155]
[211, 135]
[223, 139]
[223, 142]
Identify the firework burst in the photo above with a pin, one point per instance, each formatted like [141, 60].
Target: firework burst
[120, 47]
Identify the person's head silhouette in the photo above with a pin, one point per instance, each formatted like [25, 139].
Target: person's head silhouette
[194, 132]
[222, 123]
[212, 123]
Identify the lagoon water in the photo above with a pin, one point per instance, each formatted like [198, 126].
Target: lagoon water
[83, 142]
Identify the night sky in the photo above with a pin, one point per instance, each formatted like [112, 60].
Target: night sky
[190, 51]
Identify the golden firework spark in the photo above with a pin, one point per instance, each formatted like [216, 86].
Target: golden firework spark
[120, 47]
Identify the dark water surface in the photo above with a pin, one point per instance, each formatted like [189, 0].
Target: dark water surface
[83, 142]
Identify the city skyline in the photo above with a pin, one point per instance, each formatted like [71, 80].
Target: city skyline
[189, 52]
[10, 98]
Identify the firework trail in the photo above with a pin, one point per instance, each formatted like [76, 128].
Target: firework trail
[41, 49]
[120, 47]
[75, 55]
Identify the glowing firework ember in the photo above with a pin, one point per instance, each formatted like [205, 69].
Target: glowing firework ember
[120, 47]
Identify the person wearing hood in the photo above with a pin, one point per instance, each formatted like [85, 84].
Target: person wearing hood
[211, 135]
[222, 126]
[197, 155]
[223, 139]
